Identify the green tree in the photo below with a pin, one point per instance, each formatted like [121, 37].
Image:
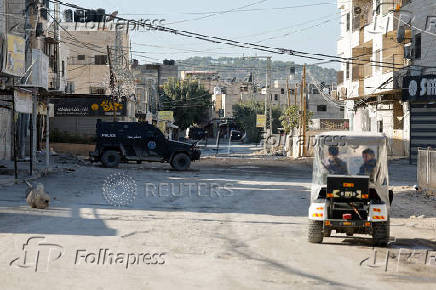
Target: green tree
[245, 115]
[291, 118]
[189, 101]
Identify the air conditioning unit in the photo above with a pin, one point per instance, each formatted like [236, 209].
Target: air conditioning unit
[409, 52]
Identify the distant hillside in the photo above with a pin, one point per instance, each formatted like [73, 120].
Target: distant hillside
[240, 68]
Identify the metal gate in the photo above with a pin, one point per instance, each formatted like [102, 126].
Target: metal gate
[427, 169]
[422, 128]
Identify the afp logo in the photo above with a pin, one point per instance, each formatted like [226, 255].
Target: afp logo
[37, 255]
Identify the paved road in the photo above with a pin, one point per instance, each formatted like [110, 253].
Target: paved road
[226, 224]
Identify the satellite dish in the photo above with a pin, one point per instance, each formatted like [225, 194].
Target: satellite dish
[357, 10]
[401, 34]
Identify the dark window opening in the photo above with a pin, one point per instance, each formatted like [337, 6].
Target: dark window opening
[97, 91]
[283, 91]
[380, 126]
[348, 21]
[418, 46]
[321, 108]
[276, 97]
[100, 59]
[81, 57]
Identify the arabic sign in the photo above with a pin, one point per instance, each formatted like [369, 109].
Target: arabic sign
[88, 107]
[420, 88]
[260, 121]
[15, 62]
[166, 116]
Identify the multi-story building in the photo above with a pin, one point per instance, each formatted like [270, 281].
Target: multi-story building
[370, 80]
[149, 79]
[418, 24]
[94, 45]
[32, 71]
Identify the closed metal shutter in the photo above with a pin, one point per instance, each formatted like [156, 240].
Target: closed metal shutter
[84, 126]
[422, 128]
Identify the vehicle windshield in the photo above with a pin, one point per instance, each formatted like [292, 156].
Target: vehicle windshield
[351, 159]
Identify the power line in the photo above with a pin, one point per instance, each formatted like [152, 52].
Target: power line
[219, 12]
[249, 45]
[234, 43]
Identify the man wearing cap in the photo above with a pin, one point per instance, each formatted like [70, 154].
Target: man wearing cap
[334, 164]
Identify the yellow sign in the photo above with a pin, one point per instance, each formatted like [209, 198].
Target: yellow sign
[261, 121]
[15, 59]
[108, 106]
[166, 116]
[162, 125]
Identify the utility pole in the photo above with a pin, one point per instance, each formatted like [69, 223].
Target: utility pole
[112, 81]
[57, 40]
[268, 90]
[295, 94]
[268, 95]
[288, 90]
[304, 110]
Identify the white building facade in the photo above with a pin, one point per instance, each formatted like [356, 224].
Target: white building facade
[370, 79]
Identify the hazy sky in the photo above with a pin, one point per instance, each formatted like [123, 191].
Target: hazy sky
[313, 27]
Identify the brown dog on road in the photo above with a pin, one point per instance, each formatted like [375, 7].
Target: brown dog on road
[37, 197]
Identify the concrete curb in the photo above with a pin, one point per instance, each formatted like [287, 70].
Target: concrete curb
[9, 181]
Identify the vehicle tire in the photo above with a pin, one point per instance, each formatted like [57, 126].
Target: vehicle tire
[110, 159]
[327, 233]
[315, 233]
[181, 162]
[380, 234]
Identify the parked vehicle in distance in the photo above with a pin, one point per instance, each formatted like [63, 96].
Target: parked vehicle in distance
[130, 141]
[194, 133]
[237, 135]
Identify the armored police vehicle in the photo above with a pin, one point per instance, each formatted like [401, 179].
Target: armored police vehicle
[129, 141]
